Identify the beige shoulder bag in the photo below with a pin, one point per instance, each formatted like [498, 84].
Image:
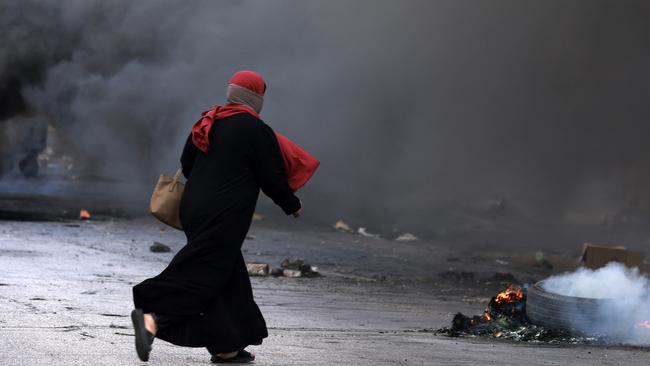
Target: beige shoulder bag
[166, 200]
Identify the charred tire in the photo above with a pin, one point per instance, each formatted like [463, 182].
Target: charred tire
[574, 314]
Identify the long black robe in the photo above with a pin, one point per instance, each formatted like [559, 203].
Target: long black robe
[207, 284]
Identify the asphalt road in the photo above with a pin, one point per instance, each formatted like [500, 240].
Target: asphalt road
[65, 296]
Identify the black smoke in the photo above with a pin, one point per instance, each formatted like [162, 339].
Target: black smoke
[537, 109]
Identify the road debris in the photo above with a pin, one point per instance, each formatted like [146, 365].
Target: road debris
[362, 231]
[84, 215]
[250, 237]
[158, 247]
[289, 267]
[257, 217]
[258, 269]
[293, 265]
[406, 237]
[342, 226]
[505, 317]
[291, 273]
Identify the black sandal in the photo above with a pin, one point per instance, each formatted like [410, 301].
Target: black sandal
[143, 338]
[242, 356]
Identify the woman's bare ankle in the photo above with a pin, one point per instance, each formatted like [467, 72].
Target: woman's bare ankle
[150, 324]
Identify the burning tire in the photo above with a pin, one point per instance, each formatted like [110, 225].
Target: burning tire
[563, 312]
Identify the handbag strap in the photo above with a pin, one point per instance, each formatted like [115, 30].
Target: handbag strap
[175, 179]
[178, 174]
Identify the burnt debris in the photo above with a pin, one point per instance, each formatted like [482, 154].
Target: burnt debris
[505, 318]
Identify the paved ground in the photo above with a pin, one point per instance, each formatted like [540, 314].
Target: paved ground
[65, 293]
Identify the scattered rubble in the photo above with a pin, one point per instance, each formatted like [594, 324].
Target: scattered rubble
[258, 269]
[277, 272]
[406, 237]
[158, 247]
[289, 267]
[342, 226]
[291, 273]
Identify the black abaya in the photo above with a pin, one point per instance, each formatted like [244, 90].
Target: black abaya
[206, 287]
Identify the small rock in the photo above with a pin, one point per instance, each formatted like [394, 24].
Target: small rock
[309, 271]
[297, 264]
[158, 247]
[292, 263]
[258, 269]
[291, 273]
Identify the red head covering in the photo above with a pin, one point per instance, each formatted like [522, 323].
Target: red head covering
[201, 130]
[299, 165]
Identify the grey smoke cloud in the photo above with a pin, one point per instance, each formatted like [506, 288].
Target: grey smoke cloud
[413, 106]
[626, 295]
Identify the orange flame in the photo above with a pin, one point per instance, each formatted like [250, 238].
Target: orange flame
[642, 325]
[511, 294]
[84, 215]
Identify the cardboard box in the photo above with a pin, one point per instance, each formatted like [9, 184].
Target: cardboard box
[598, 255]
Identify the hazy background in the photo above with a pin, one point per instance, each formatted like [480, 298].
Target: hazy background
[431, 116]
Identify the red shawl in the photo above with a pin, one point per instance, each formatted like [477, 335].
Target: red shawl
[299, 165]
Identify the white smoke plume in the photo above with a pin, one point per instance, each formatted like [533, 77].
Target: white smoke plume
[624, 301]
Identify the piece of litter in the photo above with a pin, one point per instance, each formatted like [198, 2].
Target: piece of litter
[362, 231]
[501, 262]
[257, 217]
[406, 237]
[342, 226]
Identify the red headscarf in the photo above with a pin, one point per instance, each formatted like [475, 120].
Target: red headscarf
[299, 165]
